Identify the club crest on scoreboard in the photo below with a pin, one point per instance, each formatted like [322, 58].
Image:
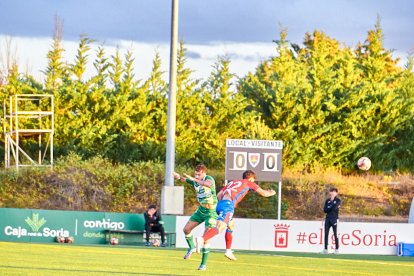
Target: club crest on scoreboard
[254, 159]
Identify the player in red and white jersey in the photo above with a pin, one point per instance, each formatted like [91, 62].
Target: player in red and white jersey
[232, 193]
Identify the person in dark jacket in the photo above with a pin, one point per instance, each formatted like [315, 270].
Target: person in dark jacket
[331, 209]
[154, 224]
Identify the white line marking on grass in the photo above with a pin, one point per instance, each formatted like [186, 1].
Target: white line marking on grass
[350, 260]
[331, 259]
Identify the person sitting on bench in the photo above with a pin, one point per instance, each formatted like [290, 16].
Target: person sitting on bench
[154, 224]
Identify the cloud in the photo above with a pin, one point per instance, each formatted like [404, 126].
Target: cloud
[193, 55]
[32, 55]
[244, 57]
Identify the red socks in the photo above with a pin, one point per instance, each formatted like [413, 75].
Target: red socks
[214, 231]
[229, 239]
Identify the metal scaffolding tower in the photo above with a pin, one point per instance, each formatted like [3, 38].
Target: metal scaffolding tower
[27, 118]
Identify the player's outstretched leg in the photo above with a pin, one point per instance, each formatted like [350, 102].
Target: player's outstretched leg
[200, 241]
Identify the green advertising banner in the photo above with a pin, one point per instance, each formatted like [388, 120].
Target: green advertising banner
[30, 225]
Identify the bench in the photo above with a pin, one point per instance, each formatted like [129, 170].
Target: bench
[123, 235]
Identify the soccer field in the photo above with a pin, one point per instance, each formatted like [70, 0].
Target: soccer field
[61, 259]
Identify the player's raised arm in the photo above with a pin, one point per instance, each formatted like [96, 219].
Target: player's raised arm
[207, 183]
[265, 193]
[178, 177]
[251, 177]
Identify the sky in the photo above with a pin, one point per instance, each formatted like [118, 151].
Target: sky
[240, 29]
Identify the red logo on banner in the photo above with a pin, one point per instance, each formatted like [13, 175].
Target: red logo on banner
[281, 235]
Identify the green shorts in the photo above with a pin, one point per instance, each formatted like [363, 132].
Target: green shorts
[208, 216]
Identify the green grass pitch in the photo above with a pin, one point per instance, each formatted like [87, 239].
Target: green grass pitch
[61, 259]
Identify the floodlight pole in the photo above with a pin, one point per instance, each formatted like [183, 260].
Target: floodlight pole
[170, 154]
[172, 197]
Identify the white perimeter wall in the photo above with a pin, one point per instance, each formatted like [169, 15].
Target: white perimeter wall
[411, 217]
[307, 236]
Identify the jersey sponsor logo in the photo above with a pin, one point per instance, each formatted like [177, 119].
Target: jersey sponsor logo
[203, 192]
[204, 195]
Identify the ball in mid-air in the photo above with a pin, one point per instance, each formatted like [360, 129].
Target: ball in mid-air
[364, 163]
[114, 241]
[156, 243]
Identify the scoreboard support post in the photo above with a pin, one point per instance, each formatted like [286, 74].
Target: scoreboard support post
[279, 201]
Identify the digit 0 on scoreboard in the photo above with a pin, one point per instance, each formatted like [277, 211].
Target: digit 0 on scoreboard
[271, 161]
[239, 160]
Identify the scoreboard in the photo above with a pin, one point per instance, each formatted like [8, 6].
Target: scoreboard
[264, 157]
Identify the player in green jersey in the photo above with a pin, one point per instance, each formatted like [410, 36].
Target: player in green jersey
[205, 188]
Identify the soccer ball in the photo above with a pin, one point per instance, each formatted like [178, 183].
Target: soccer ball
[60, 239]
[156, 243]
[114, 241]
[69, 240]
[364, 163]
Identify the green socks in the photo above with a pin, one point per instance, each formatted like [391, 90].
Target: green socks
[190, 241]
[206, 252]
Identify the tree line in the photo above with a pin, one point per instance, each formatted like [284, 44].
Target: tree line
[329, 103]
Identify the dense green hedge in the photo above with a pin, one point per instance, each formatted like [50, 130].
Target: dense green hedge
[99, 185]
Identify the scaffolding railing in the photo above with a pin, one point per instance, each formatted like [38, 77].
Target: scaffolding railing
[27, 117]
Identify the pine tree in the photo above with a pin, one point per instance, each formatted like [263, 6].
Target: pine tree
[56, 69]
[81, 60]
